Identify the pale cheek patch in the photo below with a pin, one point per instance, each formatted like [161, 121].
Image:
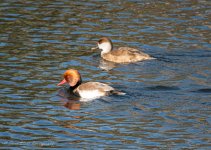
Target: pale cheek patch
[106, 47]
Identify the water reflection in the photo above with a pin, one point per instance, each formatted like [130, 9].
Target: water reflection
[73, 105]
[68, 99]
[107, 65]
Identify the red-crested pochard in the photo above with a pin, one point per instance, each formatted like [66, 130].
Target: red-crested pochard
[88, 89]
[120, 55]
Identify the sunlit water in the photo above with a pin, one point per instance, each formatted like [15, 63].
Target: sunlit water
[168, 100]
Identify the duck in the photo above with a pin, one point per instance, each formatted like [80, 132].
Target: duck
[88, 90]
[120, 55]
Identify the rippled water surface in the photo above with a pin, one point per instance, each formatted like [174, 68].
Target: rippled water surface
[168, 100]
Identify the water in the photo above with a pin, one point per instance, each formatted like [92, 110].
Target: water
[167, 105]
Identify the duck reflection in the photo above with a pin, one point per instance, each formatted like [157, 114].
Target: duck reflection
[68, 99]
[72, 105]
[107, 65]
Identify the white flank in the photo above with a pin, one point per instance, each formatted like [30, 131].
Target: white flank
[90, 94]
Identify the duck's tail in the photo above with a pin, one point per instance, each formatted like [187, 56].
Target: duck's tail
[152, 57]
[115, 92]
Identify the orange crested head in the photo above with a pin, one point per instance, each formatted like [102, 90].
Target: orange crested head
[72, 77]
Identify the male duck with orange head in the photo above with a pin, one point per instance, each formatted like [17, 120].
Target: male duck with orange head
[88, 89]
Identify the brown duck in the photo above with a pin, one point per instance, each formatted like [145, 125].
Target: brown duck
[120, 55]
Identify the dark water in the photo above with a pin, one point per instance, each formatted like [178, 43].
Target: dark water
[168, 100]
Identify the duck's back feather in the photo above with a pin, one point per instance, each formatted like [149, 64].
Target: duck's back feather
[125, 55]
[93, 89]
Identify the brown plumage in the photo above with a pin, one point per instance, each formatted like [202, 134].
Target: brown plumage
[122, 54]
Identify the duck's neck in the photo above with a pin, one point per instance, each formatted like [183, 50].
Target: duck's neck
[72, 88]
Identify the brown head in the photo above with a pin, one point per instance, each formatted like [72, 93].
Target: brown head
[105, 45]
[104, 40]
[72, 77]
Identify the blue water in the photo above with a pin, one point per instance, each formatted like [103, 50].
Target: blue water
[167, 103]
